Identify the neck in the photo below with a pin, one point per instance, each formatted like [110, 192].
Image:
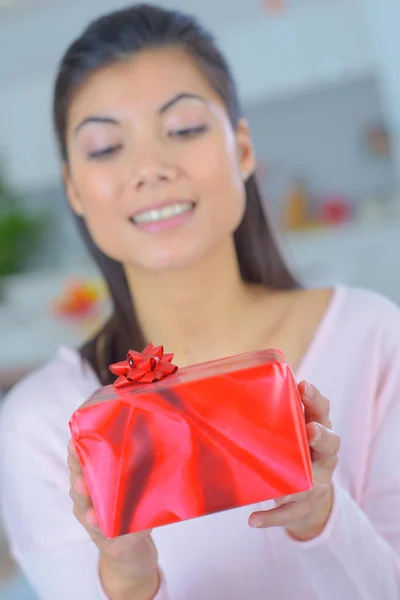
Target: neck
[193, 312]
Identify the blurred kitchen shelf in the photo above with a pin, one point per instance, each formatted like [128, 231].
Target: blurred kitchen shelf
[301, 245]
[358, 254]
[354, 230]
[31, 332]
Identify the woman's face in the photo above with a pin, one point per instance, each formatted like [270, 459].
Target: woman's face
[155, 167]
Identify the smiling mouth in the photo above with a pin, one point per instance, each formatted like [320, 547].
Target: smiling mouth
[164, 213]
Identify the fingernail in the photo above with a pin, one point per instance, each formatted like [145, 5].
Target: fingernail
[80, 488]
[256, 522]
[317, 434]
[308, 390]
[93, 525]
[95, 530]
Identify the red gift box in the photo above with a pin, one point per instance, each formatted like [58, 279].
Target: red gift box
[161, 445]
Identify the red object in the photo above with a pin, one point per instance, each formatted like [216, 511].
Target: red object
[335, 210]
[148, 366]
[207, 438]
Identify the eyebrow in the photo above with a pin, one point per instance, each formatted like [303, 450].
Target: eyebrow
[169, 104]
[95, 119]
[178, 98]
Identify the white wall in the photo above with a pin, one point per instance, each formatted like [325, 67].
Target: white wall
[270, 56]
[382, 19]
[304, 49]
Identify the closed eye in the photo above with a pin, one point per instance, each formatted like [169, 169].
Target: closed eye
[105, 152]
[189, 131]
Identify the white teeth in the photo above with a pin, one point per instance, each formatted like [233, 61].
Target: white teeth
[159, 214]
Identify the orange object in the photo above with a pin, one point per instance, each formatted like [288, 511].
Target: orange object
[297, 208]
[79, 299]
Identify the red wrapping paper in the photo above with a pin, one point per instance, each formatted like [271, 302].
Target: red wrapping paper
[183, 444]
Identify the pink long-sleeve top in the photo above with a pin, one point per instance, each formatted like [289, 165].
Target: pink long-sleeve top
[354, 359]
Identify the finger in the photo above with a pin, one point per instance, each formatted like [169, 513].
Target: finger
[300, 507]
[73, 462]
[299, 497]
[94, 532]
[281, 516]
[87, 517]
[317, 406]
[283, 500]
[78, 490]
[80, 514]
[92, 521]
[81, 501]
[81, 487]
[325, 443]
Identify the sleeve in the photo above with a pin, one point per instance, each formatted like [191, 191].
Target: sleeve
[53, 550]
[358, 554]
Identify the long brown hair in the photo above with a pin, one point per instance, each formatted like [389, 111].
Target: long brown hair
[113, 38]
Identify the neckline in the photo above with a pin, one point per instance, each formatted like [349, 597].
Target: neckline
[322, 331]
[318, 340]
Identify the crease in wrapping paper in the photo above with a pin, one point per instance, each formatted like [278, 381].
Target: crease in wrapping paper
[211, 437]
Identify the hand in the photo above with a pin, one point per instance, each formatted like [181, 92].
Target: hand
[131, 561]
[305, 515]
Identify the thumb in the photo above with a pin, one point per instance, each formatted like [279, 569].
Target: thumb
[283, 500]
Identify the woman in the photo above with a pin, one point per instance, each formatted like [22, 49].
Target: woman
[159, 171]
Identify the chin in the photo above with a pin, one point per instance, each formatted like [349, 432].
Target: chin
[167, 264]
[169, 259]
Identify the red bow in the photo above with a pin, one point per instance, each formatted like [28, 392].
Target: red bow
[147, 366]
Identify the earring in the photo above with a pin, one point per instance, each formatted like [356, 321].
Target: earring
[244, 176]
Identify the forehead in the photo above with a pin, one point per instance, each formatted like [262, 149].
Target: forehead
[142, 83]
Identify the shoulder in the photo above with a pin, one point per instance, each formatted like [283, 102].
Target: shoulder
[38, 408]
[358, 333]
[360, 305]
[365, 332]
[368, 311]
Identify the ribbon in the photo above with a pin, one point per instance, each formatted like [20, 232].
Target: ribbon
[147, 366]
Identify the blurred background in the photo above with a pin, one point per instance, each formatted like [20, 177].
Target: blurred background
[320, 84]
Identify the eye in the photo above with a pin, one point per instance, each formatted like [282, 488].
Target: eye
[105, 152]
[188, 131]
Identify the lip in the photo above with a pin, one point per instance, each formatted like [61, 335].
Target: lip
[159, 206]
[170, 223]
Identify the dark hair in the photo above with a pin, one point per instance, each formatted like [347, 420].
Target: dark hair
[108, 40]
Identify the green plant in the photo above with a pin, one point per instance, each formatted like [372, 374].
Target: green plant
[20, 233]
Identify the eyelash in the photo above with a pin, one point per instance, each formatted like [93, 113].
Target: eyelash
[189, 132]
[179, 133]
[104, 153]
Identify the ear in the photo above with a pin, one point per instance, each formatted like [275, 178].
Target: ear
[246, 154]
[70, 191]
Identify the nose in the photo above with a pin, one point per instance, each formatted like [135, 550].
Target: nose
[152, 168]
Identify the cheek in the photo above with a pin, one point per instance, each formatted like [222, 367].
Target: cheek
[98, 188]
[218, 165]
[220, 181]
[100, 191]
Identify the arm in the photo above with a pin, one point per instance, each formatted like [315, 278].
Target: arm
[71, 571]
[357, 554]
[118, 585]
[359, 549]
[352, 554]
[128, 565]
[56, 554]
